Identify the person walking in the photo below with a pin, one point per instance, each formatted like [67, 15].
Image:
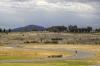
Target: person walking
[76, 52]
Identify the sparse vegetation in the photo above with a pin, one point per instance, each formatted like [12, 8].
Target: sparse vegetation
[49, 37]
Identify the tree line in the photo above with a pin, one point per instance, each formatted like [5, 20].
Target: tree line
[73, 29]
[97, 30]
[70, 28]
[5, 30]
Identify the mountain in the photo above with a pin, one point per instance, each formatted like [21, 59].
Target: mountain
[29, 28]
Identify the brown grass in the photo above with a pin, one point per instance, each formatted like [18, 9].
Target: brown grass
[7, 51]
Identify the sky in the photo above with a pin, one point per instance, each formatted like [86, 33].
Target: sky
[17, 13]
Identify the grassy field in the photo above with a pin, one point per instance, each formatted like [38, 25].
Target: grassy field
[54, 63]
[32, 40]
[17, 54]
[81, 47]
[20, 54]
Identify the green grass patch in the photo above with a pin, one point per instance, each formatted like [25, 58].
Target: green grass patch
[52, 63]
[14, 58]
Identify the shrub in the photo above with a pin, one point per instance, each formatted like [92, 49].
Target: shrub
[56, 39]
[53, 42]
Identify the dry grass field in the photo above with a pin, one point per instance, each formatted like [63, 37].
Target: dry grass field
[8, 53]
[18, 46]
[49, 38]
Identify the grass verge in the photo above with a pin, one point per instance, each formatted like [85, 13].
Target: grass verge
[52, 63]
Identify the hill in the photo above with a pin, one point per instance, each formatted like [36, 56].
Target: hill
[29, 28]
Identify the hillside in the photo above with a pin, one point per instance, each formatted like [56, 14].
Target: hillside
[29, 28]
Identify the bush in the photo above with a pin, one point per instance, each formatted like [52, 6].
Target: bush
[34, 42]
[31, 42]
[97, 43]
[53, 42]
[56, 39]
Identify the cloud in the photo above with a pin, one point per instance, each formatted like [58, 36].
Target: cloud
[52, 12]
[44, 4]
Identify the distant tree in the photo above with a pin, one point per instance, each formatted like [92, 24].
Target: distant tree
[79, 30]
[72, 28]
[4, 30]
[89, 29]
[0, 30]
[75, 28]
[9, 30]
[97, 30]
[57, 29]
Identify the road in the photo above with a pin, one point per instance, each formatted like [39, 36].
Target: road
[96, 65]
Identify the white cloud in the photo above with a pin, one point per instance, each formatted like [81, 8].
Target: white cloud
[66, 6]
[52, 12]
[43, 4]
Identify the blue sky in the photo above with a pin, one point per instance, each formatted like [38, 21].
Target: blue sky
[16, 13]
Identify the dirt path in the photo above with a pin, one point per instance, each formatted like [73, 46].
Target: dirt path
[96, 65]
